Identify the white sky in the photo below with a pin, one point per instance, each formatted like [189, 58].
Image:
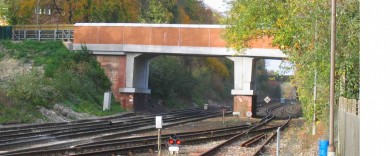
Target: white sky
[221, 6]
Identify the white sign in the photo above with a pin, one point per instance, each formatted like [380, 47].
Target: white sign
[107, 101]
[248, 114]
[236, 113]
[173, 148]
[282, 100]
[267, 99]
[159, 122]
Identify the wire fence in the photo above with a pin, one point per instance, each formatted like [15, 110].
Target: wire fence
[348, 127]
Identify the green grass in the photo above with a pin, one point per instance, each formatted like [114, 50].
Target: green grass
[2, 54]
[19, 114]
[94, 108]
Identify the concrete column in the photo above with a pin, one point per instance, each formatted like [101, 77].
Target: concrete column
[134, 94]
[244, 85]
[137, 73]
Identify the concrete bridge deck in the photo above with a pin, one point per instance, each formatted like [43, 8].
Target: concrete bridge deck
[177, 39]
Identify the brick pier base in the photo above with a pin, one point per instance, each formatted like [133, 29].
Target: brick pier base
[244, 103]
[134, 101]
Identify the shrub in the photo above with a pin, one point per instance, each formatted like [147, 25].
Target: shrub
[168, 78]
[33, 87]
[67, 77]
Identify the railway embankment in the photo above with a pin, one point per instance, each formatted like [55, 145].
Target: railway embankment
[44, 81]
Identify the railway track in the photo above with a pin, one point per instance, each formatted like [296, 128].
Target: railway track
[85, 140]
[140, 144]
[259, 150]
[260, 136]
[75, 133]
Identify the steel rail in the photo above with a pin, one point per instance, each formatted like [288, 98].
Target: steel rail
[98, 148]
[258, 152]
[56, 125]
[262, 122]
[17, 143]
[183, 134]
[82, 123]
[139, 130]
[72, 127]
[252, 140]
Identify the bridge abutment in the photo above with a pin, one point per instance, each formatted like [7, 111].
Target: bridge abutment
[134, 95]
[134, 101]
[244, 91]
[129, 75]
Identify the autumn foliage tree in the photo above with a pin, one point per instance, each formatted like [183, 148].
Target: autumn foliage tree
[72, 11]
[301, 29]
[211, 74]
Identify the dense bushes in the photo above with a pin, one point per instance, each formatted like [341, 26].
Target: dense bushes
[170, 78]
[15, 112]
[72, 78]
[175, 80]
[33, 87]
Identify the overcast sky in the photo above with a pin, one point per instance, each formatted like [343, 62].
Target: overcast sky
[221, 6]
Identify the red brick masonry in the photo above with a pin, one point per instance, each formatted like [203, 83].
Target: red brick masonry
[244, 103]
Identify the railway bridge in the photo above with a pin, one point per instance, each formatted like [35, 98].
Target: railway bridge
[125, 49]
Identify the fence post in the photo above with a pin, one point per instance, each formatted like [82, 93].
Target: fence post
[55, 34]
[68, 35]
[358, 108]
[39, 34]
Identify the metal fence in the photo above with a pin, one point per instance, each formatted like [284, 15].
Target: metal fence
[348, 127]
[62, 32]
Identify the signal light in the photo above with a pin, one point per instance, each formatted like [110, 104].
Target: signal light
[171, 141]
[178, 142]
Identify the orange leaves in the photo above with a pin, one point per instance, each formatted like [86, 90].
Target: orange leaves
[72, 11]
[217, 66]
[183, 17]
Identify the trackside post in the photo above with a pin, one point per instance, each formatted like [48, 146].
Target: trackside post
[159, 126]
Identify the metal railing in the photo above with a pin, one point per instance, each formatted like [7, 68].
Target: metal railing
[62, 32]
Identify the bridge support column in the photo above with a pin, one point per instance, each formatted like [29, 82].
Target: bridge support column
[135, 93]
[244, 85]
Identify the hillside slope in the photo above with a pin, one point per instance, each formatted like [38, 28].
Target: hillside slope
[36, 75]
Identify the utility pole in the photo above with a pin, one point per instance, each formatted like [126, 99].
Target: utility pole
[277, 141]
[315, 81]
[331, 147]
